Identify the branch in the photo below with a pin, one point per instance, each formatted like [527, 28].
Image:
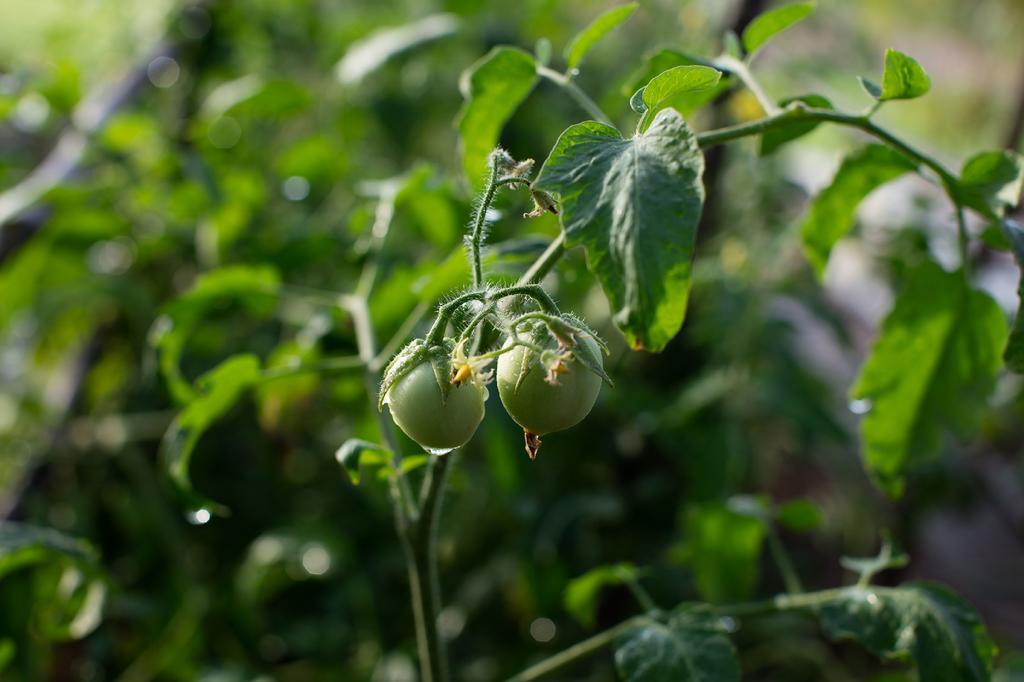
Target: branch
[576, 652]
[86, 120]
[477, 234]
[424, 547]
[798, 111]
[741, 71]
[547, 260]
[574, 91]
[338, 364]
[588, 647]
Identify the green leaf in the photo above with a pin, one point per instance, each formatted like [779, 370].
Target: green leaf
[771, 23]
[938, 630]
[932, 367]
[691, 647]
[24, 545]
[218, 391]
[775, 138]
[871, 87]
[799, 515]
[723, 548]
[255, 288]
[277, 98]
[636, 102]
[678, 80]
[542, 51]
[634, 204]
[580, 45]
[685, 102]
[1014, 353]
[831, 213]
[991, 182]
[903, 77]
[70, 605]
[408, 463]
[493, 88]
[580, 598]
[356, 453]
[366, 56]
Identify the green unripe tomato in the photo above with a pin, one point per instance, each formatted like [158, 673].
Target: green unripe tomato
[540, 407]
[438, 425]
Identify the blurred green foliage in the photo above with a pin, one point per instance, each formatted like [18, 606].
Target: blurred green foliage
[253, 154]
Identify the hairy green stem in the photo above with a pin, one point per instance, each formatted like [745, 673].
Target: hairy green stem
[476, 236]
[512, 180]
[534, 291]
[436, 333]
[475, 321]
[574, 91]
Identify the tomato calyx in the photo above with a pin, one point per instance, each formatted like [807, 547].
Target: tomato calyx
[414, 354]
[565, 330]
[448, 359]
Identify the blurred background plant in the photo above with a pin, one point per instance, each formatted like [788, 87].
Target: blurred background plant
[147, 143]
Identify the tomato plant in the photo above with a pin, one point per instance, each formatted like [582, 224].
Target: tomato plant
[204, 293]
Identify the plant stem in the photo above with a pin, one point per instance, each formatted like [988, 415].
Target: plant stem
[642, 596]
[471, 326]
[329, 299]
[546, 261]
[590, 646]
[436, 333]
[416, 530]
[790, 578]
[339, 364]
[963, 239]
[574, 91]
[477, 234]
[800, 112]
[391, 347]
[378, 234]
[741, 71]
[534, 291]
[576, 652]
[423, 540]
[366, 342]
